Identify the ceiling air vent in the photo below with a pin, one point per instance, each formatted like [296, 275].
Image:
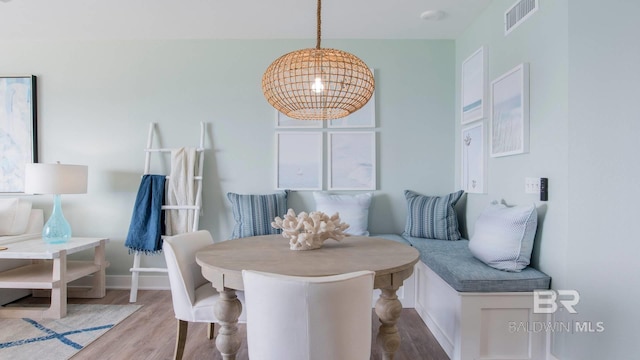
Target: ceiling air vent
[518, 13]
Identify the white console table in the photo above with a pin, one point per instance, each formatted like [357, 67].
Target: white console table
[50, 270]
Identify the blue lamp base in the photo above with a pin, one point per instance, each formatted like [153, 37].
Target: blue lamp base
[57, 229]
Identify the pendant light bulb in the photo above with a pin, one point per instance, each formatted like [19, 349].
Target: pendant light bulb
[317, 86]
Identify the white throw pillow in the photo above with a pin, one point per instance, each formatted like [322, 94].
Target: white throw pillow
[14, 216]
[503, 236]
[353, 209]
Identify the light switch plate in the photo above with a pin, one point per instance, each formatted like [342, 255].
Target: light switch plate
[532, 185]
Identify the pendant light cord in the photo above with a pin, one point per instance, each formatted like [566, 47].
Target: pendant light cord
[318, 29]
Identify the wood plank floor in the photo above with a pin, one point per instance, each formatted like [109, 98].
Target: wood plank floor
[149, 334]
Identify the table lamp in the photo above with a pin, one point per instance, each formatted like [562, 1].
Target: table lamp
[55, 179]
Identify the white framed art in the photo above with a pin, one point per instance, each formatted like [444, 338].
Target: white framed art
[285, 122]
[299, 160]
[473, 158]
[474, 86]
[352, 160]
[510, 112]
[364, 117]
[18, 130]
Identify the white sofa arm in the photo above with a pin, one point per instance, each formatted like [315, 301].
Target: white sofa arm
[36, 221]
[34, 228]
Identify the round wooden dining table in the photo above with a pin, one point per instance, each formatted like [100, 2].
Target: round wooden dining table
[222, 264]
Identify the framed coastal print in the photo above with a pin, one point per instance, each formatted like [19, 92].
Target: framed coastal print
[352, 160]
[474, 84]
[285, 122]
[510, 112]
[299, 160]
[364, 117]
[473, 158]
[18, 140]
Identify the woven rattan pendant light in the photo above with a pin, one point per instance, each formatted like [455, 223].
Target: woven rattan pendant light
[318, 84]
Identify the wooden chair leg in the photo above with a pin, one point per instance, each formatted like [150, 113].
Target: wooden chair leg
[181, 339]
[210, 330]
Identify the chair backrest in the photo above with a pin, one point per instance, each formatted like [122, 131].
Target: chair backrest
[185, 275]
[308, 318]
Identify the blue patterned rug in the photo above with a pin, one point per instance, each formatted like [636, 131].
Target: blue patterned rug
[59, 339]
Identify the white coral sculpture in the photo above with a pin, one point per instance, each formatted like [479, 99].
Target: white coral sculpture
[309, 231]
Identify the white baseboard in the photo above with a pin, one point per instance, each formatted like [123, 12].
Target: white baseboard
[158, 282]
[123, 282]
[161, 282]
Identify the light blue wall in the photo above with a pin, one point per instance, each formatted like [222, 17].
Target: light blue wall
[584, 128]
[604, 126]
[542, 43]
[97, 98]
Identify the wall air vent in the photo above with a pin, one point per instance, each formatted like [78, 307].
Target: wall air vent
[518, 13]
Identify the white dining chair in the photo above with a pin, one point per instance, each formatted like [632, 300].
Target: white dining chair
[308, 318]
[192, 295]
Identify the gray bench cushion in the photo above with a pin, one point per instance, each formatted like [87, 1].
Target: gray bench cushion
[455, 264]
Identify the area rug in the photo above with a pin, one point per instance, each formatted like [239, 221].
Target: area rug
[59, 339]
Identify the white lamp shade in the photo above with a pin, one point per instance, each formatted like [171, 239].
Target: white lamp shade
[55, 179]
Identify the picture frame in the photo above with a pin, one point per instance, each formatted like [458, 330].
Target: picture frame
[472, 173]
[299, 160]
[285, 122]
[18, 130]
[510, 112]
[364, 117]
[474, 86]
[352, 160]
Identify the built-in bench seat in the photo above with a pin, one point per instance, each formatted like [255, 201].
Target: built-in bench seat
[469, 306]
[455, 264]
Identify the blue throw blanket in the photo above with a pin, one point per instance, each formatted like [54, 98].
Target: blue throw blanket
[146, 225]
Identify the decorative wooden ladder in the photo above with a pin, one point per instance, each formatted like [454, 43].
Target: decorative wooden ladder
[196, 207]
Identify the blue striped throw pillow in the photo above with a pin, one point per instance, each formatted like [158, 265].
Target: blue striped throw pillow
[253, 214]
[432, 217]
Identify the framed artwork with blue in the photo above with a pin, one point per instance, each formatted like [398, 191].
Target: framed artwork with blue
[18, 131]
[474, 84]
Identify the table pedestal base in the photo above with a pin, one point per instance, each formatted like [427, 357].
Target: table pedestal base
[388, 309]
[228, 309]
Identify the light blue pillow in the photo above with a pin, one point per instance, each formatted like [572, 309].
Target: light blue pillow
[503, 236]
[253, 214]
[432, 217]
[353, 209]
